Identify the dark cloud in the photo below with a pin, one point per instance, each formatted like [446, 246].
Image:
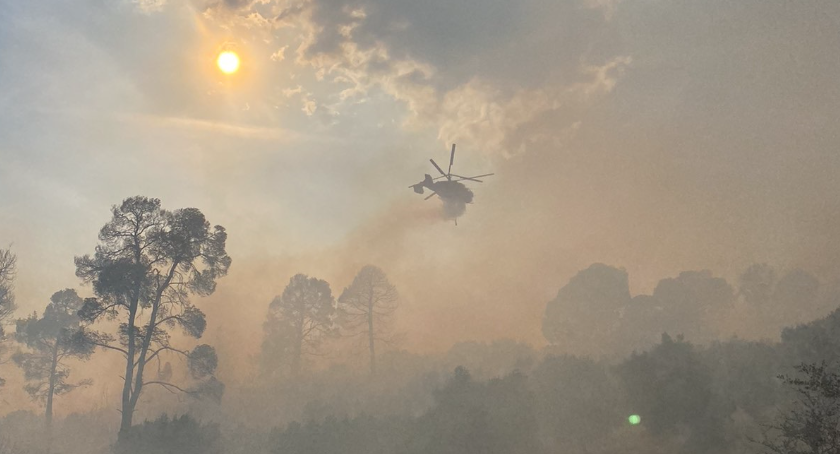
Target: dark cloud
[525, 44]
[288, 13]
[232, 5]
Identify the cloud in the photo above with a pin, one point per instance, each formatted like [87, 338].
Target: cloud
[309, 105]
[150, 6]
[469, 88]
[215, 127]
[280, 54]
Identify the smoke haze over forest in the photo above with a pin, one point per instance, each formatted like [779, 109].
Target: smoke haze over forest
[647, 154]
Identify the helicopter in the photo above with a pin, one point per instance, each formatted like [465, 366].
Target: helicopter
[453, 193]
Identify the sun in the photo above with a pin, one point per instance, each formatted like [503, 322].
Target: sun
[228, 62]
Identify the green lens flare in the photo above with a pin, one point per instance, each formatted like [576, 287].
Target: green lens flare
[634, 419]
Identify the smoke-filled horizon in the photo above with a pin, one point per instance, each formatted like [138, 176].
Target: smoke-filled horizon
[652, 136]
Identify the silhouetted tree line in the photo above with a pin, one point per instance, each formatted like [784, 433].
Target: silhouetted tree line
[692, 399]
[595, 314]
[468, 416]
[667, 358]
[306, 315]
[707, 397]
[182, 435]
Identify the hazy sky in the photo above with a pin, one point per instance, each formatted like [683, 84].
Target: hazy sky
[655, 135]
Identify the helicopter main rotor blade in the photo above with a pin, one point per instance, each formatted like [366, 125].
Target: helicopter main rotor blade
[473, 178]
[430, 196]
[451, 158]
[438, 168]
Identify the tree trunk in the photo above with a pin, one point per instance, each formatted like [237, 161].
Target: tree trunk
[371, 337]
[127, 408]
[296, 355]
[141, 359]
[49, 410]
[147, 339]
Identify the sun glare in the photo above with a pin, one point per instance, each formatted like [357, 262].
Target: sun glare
[228, 62]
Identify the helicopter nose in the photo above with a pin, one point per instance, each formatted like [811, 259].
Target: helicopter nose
[418, 188]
